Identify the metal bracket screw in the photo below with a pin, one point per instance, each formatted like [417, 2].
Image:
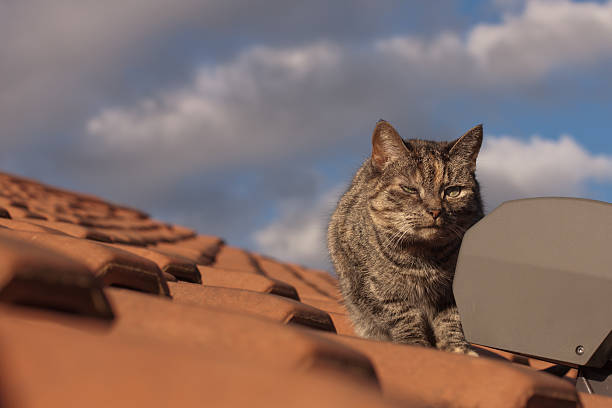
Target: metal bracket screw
[580, 350]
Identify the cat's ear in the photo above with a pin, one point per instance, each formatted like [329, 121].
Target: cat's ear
[466, 148]
[387, 145]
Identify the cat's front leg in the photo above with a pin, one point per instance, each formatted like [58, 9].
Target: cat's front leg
[365, 325]
[449, 333]
[410, 327]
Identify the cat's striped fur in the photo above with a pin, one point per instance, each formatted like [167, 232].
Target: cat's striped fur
[395, 236]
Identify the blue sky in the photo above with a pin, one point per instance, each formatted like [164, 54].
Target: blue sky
[247, 119]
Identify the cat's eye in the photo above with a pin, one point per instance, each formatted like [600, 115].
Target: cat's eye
[452, 192]
[409, 190]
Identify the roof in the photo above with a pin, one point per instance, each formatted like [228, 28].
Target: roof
[104, 306]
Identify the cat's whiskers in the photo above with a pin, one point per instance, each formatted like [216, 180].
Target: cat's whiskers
[388, 240]
[457, 231]
[395, 239]
[402, 236]
[389, 243]
[402, 229]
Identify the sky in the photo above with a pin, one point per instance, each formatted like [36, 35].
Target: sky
[247, 119]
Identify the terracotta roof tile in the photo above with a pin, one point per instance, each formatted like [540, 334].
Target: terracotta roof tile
[181, 232]
[194, 255]
[126, 237]
[72, 219]
[165, 233]
[246, 338]
[28, 225]
[73, 230]
[247, 281]
[595, 401]
[181, 268]
[320, 279]
[286, 273]
[79, 365]
[343, 324]
[235, 259]
[539, 365]
[201, 249]
[35, 276]
[335, 306]
[445, 379]
[230, 328]
[276, 308]
[206, 245]
[19, 212]
[169, 277]
[111, 265]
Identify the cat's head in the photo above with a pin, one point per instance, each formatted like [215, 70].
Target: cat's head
[424, 191]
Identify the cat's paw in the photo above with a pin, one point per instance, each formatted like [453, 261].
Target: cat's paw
[464, 350]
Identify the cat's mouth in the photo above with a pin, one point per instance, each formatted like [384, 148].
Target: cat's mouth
[433, 225]
[431, 231]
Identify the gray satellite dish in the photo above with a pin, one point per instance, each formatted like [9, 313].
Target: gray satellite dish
[534, 277]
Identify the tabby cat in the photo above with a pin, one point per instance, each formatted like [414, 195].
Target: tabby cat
[395, 236]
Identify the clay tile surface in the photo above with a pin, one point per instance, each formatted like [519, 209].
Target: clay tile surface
[187, 326]
[226, 278]
[71, 229]
[102, 305]
[595, 401]
[175, 265]
[286, 273]
[237, 259]
[29, 225]
[110, 265]
[463, 381]
[277, 308]
[32, 275]
[79, 364]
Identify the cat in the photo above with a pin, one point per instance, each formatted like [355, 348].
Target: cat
[395, 236]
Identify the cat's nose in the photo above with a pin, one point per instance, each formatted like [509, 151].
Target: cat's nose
[434, 213]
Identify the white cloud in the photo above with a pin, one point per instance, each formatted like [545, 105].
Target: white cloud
[300, 232]
[546, 35]
[271, 101]
[222, 106]
[509, 168]
[260, 104]
[62, 59]
[54, 53]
